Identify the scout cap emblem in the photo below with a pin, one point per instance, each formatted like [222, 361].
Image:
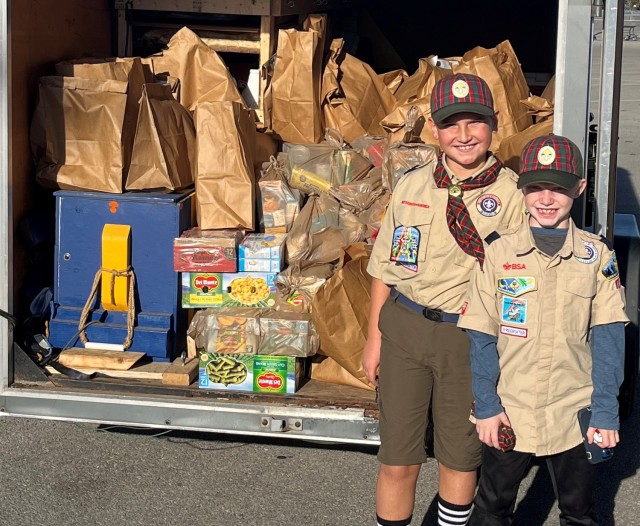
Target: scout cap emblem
[546, 155]
[460, 89]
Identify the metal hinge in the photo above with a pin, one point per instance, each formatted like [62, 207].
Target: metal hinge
[282, 425]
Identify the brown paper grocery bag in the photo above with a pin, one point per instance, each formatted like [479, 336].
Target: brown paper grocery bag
[295, 87]
[164, 148]
[415, 92]
[203, 75]
[225, 177]
[77, 133]
[394, 79]
[500, 68]
[354, 98]
[340, 312]
[130, 70]
[541, 110]
[325, 369]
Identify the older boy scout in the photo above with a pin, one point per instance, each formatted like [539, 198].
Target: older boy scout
[546, 319]
[421, 264]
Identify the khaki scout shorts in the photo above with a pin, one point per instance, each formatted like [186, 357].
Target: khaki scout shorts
[424, 363]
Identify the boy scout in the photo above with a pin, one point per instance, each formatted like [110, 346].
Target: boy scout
[545, 286]
[421, 264]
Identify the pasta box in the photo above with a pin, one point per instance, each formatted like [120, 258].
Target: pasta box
[243, 372]
[239, 289]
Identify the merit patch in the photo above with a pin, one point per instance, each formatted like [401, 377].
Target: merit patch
[592, 253]
[514, 331]
[516, 286]
[405, 244]
[514, 310]
[489, 205]
[610, 270]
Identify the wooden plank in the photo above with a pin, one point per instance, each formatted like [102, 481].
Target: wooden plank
[231, 45]
[150, 371]
[181, 375]
[233, 7]
[98, 359]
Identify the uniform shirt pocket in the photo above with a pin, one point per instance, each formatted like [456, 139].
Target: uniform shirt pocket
[419, 218]
[579, 292]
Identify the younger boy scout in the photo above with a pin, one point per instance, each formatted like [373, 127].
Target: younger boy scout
[546, 320]
[421, 265]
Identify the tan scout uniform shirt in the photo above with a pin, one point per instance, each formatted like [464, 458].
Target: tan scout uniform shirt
[541, 309]
[444, 270]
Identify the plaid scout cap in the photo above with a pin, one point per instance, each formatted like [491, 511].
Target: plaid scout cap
[551, 159]
[460, 93]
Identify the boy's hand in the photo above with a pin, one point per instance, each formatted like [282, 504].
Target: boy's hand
[488, 429]
[371, 359]
[605, 438]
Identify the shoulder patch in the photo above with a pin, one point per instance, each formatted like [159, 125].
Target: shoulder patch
[491, 237]
[606, 242]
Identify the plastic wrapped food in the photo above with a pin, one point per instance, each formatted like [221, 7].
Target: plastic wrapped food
[226, 330]
[287, 334]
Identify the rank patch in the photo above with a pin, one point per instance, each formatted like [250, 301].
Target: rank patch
[514, 331]
[514, 310]
[592, 253]
[405, 244]
[489, 205]
[610, 270]
[516, 286]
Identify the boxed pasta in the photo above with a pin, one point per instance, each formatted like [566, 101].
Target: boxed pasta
[199, 250]
[226, 330]
[243, 372]
[286, 333]
[239, 289]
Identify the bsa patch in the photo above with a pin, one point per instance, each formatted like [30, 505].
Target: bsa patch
[514, 331]
[610, 270]
[516, 286]
[410, 266]
[488, 205]
[592, 253]
[405, 244]
[514, 310]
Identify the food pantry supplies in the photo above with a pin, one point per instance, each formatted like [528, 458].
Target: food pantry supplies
[243, 372]
[226, 330]
[242, 289]
[199, 250]
[287, 334]
[261, 253]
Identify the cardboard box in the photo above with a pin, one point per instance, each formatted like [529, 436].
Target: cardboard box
[241, 289]
[199, 250]
[262, 253]
[259, 265]
[262, 246]
[243, 372]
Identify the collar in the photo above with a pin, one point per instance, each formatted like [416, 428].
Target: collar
[573, 244]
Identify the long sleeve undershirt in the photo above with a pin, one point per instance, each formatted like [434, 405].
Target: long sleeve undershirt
[607, 351]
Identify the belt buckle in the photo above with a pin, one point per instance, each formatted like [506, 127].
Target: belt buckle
[433, 315]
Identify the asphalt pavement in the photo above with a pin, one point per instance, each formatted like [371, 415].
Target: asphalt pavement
[66, 474]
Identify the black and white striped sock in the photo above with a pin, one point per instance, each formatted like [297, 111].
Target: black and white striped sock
[452, 514]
